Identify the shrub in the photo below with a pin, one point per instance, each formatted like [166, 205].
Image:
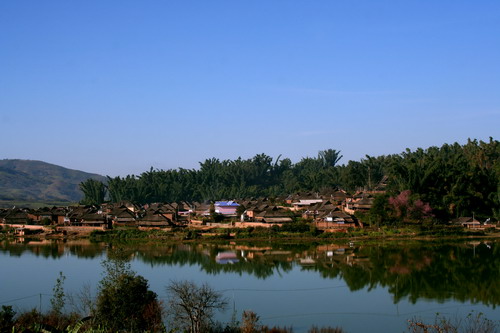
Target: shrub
[473, 323]
[6, 318]
[125, 302]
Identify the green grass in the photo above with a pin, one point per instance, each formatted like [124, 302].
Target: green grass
[34, 204]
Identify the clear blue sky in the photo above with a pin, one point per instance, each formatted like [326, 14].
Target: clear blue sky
[115, 87]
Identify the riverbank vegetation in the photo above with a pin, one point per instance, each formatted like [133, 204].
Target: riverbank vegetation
[299, 231]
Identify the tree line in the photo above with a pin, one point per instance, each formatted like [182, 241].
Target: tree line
[454, 179]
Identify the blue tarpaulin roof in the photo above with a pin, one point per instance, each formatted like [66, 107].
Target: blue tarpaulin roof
[226, 203]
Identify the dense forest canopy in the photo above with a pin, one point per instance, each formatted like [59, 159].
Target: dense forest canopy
[454, 179]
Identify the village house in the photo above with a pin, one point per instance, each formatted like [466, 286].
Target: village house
[94, 220]
[252, 211]
[274, 215]
[319, 208]
[54, 215]
[154, 219]
[75, 214]
[16, 216]
[334, 220]
[359, 202]
[201, 209]
[122, 216]
[467, 222]
[226, 208]
[304, 204]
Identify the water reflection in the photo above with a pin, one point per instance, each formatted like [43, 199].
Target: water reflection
[462, 271]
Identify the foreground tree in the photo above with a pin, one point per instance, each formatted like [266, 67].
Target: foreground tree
[191, 307]
[7, 318]
[125, 302]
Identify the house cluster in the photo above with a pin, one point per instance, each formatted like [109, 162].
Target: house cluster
[328, 210]
[104, 216]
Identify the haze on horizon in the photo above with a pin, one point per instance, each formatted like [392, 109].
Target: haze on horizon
[116, 87]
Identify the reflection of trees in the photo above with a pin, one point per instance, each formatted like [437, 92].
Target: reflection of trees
[262, 266]
[53, 248]
[413, 270]
[44, 249]
[423, 271]
[87, 251]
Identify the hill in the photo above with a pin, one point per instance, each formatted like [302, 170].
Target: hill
[37, 181]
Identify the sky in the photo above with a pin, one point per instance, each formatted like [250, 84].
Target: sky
[116, 87]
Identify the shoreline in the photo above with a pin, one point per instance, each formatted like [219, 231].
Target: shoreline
[191, 236]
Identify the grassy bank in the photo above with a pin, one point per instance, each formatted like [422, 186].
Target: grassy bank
[298, 233]
[34, 204]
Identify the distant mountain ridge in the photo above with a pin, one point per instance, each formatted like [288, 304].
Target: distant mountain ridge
[37, 181]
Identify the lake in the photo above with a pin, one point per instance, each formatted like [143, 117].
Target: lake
[359, 287]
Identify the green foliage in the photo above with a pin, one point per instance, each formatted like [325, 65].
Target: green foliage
[125, 302]
[35, 321]
[379, 213]
[191, 234]
[456, 180]
[94, 192]
[58, 298]
[124, 234]
[296, 227]
[6, 318]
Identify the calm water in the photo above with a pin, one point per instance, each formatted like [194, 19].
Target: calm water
[361, 288]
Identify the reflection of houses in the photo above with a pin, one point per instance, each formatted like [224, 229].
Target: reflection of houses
[307, 261]
[226, 258]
